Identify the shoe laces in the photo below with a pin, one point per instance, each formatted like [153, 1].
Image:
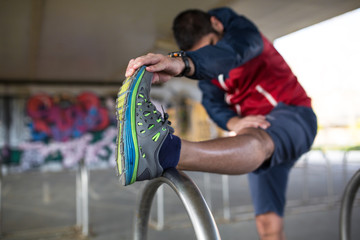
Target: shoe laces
[165, 117]
[162, 119]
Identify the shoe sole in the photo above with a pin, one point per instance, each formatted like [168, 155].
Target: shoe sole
[127, 154]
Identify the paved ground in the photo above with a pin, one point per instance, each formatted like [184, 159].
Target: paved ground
[42, 205]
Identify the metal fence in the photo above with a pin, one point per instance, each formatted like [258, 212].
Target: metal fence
[317, 183]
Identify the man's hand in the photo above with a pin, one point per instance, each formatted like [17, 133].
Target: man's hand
[163, 67]
[236, 124]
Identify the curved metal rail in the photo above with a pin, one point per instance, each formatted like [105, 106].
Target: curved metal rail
[347, 204]
[193, 201]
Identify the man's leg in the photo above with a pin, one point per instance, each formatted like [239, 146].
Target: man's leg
[270, 226]
[146, 141]
[231, 155]
[268, 192]
[143, 132]
[241, 154]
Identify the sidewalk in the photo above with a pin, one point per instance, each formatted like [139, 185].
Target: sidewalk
[42, 206]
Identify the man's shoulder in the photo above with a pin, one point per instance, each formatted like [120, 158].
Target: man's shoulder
[225, 10]
[228, 17]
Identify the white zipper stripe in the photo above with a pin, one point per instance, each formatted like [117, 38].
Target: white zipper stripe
[222, 82]
[228, 98]
[238, 109]
[237, 106]
[267, 95]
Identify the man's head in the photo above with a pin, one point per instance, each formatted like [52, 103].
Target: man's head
[194, 29]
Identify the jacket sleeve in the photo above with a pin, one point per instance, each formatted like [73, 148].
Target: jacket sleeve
[214, 102]
[240, 43]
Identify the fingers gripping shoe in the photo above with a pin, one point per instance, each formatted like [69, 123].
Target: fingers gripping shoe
[141, 130]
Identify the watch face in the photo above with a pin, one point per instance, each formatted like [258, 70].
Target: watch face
[177, 54]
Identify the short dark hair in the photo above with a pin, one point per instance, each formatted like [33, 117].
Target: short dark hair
[190, 26]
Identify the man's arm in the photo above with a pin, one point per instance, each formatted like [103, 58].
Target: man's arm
[214, 102]
[237, 124]
[163, 67]
[213, 99]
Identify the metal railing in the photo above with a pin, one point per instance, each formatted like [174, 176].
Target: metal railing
[200, 215]
[82, 199]
[346, 206]
[329, 199]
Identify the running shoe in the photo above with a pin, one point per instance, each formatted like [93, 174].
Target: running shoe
[141, 130]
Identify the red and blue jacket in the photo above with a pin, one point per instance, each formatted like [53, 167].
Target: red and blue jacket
[243, 74]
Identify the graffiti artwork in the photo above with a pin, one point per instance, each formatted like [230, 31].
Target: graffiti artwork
[66, 129]
[102, 150]
[65, 117]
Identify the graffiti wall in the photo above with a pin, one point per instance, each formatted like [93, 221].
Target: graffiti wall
[63, 117]
[63, 130]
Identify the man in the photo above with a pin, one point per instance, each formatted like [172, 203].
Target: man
[247, 88]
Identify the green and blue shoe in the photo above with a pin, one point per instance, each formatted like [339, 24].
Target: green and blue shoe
[141, 130]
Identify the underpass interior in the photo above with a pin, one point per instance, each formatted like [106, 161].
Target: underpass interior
[70, 52]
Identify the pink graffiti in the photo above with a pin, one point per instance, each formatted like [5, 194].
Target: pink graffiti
[64, 118]
[72, 151]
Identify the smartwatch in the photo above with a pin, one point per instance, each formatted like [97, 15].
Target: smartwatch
[185, 59]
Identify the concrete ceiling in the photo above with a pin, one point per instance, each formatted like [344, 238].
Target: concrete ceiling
[92, 41]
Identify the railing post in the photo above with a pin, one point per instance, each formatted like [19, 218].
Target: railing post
[193, 201]
[1, 215]
[85, 198]
[207, 189]
[345, 157]
[329, 177]
[82, 198]
[226, 197]
[347, 204]
[79, 222]
[305, 190]
[160, 208]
